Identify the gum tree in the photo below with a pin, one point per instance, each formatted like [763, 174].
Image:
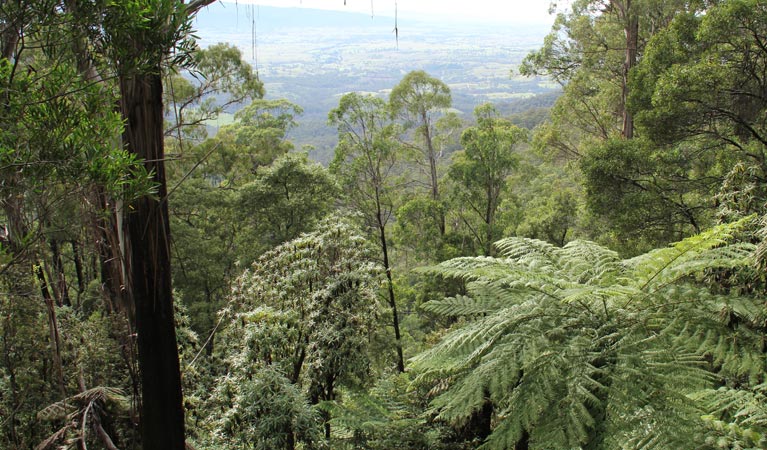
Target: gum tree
[365, 163]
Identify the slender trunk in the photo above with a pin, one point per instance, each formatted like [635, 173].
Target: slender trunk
[330, 395]
[9, 336]
[9, 37]
[78, 260]
[392, 300]
[110, 257]
[489, 221]
[524, 442]
[53, 330]
[148, 268]
[433, 172]
[58, 267]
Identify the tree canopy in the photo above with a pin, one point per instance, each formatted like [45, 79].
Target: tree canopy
[594, 280]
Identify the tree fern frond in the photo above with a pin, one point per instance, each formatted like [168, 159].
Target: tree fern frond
[660, 266]
[57, 411]
[104, 394]
[461, 305]
[54, 438]
[735, 417]
[464, 400]
[72, 405]
[590, 262]
[469, 268]
[463, 347]
[518, 248]
[577, 348]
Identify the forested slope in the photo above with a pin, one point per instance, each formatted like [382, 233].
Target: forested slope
[587, 275]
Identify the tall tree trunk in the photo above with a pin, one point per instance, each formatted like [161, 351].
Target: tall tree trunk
[53, 330]
[58, 267]
[148, 268]
[433, 172]
[489, 218]
[78, 260]
[392, 299]
[110, 257]
[631, 31]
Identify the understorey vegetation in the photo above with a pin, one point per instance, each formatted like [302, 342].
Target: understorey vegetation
[593, 280]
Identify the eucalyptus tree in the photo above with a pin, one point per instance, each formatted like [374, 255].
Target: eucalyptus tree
[366, 162]
[218, 81]
[698, 96]
[644, 192]
[591, 51]
[285, 199]
[703, 79]
[256, 138]
[420, 100]
[57, 144]
[480, 170]
[142, 36]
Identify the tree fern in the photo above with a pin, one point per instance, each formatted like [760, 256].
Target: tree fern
[744, 412]
[80, 413]
[576, 348]
[386, 416]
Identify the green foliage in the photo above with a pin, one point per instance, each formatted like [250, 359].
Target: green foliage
[366, 163]
[548, 203]
[302, 316]
[701, 80]
[256, 138]
[129, 25]
[422, 103]
[417, 229]
[418, 96]
[480, 170]
[62, 129]
[386, 416]
[229, 209]
[285, 199]
[23, 326]
[325, 282]
[205, 246]
[654, 195]
[574, 347]
[609, 56]
[267, 412]
[218, 79]
[744, 414]
[366, 157]
[223, 64]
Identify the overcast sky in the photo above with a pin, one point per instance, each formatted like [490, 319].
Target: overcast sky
[508, 11]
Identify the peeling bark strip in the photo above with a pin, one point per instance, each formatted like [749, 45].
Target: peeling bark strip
[148, 268]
